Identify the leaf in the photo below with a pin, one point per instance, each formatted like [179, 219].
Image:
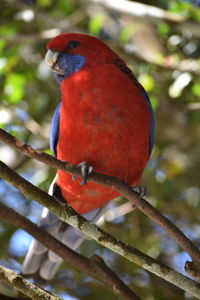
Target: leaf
[14, 87]
[44, 3]
[196, 89]
[147, 82]
[163, 29]
[66, 6]
[7, 30]
[95, 24]
[127, 32]
[154, 102]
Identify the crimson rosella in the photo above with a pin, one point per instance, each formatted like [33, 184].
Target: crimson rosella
[105, 118]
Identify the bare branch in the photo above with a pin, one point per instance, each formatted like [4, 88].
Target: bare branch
[3, 297]
[24, 286]
[148, 13]
[94, 267]
[10, 293]
[69, 216]
[121, 187]
[139, 10]
[193, 106]
[45, 34]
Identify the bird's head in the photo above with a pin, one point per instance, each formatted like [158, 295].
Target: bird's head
[69, 52]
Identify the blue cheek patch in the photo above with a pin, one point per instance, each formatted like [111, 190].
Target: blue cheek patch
[69, 63]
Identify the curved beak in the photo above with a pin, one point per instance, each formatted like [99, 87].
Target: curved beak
[51, 59]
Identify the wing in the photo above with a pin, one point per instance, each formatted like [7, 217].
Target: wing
[54, 132]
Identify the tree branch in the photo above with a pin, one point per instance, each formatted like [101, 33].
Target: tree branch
[3, 297]
[121, 187]
[139, 10]
[68, 215]
[94, 267]
[24, 286]
[10, 293]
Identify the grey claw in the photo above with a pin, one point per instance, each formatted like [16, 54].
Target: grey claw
[140, 190]
[86, 170]
[73, 178]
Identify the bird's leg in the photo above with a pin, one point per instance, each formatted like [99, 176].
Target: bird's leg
[125, 208]
[86, 169]
[118, 211]
[140, 190]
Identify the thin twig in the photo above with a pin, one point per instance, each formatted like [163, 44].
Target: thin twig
[68, 215]
[94, 267]
[124, 189]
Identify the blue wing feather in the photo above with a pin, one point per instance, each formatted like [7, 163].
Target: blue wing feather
[54, 131]
[152, 121]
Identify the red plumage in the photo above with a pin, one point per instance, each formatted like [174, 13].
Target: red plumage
[104, 120]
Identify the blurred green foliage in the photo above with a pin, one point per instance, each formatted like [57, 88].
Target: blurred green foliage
[164, 56]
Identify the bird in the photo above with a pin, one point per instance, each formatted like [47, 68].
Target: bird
[103, 122]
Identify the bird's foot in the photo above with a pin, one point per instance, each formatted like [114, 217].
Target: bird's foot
[86, 169]
[140, 190]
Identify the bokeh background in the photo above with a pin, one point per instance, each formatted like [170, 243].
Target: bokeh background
[162, 48]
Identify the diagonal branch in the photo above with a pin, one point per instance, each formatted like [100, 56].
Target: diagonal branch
[69, 216]
[94, 267]
[10, 293]
[111, 182]
[3, 297]
[24, 286]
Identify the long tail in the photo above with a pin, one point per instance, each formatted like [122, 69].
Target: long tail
[44, 262]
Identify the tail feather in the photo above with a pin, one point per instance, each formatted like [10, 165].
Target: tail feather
[48, 269]
[32, 260]
[43, 261]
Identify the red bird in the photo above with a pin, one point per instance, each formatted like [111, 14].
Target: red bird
[105, 118]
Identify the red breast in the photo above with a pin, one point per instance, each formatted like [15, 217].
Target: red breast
[104, 119]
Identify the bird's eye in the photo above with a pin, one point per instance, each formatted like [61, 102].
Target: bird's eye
[72, 44]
